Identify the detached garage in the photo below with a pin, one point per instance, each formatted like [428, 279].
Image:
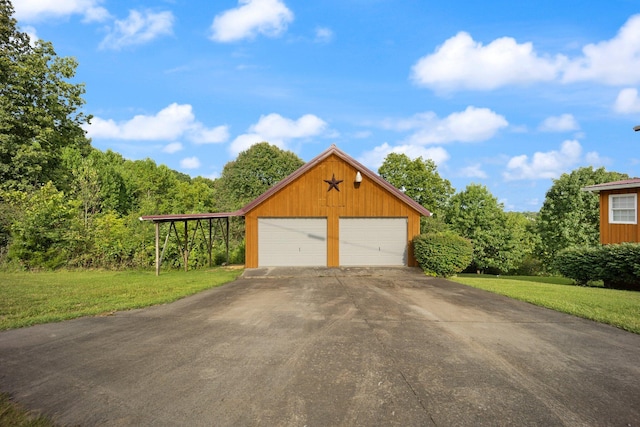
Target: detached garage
[331, 212]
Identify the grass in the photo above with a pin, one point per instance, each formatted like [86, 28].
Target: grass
[13, 414]
[31, 298]
[614, 307]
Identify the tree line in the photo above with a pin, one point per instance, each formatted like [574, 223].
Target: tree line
[64, 203]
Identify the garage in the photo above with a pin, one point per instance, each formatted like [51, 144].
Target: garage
[373, 241]
[298, 242]
[331, 212]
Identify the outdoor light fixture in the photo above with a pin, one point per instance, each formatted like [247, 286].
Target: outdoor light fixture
[358, 177]
[636, 128]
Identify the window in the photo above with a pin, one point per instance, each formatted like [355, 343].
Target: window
[622, 209]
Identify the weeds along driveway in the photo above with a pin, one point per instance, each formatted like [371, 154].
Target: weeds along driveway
[329, 347]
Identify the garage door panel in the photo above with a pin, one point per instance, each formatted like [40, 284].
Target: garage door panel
[292, 242]
[373, 241]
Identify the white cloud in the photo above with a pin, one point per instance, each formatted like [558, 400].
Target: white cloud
[546, 165]
[277, 127]
[323, 35]
[138, 28]
[463, 63]
[473, 171]
[471, 125]
[190, 163]
[174, 147]
[39, 10]
[278, 130]
[251, 17]
[202, 135]
[244, 141]
[169, 123]
[614, 62]
[562, 123]
[595, 159]
[627, 101]
[373, 159]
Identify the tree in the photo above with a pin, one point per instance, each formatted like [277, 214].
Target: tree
[418, 179]
[254, 171]
[522, 227]
[39, 107]
[476, 214]
[569, 216]
[40, 235]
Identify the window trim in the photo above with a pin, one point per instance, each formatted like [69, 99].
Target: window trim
[635, 208]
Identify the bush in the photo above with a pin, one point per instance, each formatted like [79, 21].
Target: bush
[621, 266]
[617, 265]
[442, 254]
[581, 264]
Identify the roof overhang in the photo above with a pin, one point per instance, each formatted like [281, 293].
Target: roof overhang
[617, 185]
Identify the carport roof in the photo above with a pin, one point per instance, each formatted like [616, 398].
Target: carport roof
[187, 217]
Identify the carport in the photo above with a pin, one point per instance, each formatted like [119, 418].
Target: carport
[209, 225]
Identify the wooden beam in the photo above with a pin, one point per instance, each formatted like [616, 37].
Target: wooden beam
[157, 248]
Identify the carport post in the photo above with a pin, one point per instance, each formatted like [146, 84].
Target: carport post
[157, 224]
[227, 240]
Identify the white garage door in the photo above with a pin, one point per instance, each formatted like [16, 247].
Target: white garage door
[292, 242]
[373, 241]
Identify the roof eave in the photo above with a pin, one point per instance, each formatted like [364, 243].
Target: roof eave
[599, 188]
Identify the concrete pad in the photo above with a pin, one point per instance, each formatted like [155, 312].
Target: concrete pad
[328, 349]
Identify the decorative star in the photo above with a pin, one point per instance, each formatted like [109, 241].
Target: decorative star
[333, 183]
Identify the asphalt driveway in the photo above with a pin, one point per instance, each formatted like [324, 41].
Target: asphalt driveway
[327, 348]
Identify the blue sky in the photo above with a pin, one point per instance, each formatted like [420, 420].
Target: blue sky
[506, 96]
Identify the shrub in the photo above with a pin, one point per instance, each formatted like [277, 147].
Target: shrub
[621, 266]
[442, 254]
[618, 265]
[581, 264]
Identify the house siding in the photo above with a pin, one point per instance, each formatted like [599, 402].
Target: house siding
[617, 233]
[307, 196]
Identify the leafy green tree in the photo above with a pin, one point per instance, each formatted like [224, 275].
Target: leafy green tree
[253, 172]
[418, 179]
[40, 236]
[569, 216]
[476, 214]
[39, 108]
[151, 186]
[522, 226]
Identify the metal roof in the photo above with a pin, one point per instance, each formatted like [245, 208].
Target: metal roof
[615, 185]
[186, 217]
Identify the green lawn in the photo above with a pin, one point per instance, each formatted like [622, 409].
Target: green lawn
[31, 298]
[614, 307]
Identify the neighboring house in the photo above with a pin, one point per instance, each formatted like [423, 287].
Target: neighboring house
[331, 212]
[618, 210]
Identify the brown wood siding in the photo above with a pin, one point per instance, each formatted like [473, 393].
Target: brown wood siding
[307, 196]
[617, 233]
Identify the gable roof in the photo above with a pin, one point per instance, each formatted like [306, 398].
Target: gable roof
[364, 171]
[615, 185]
